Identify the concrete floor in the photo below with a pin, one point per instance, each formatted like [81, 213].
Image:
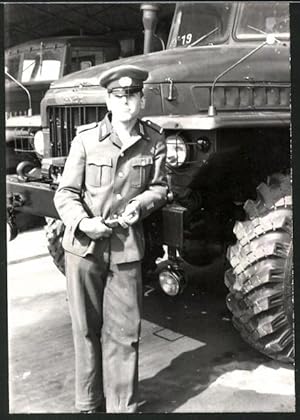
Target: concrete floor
[191, 358]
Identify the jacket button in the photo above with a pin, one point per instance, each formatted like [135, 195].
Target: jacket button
[119, 196]
[122, 154]
[120, 174]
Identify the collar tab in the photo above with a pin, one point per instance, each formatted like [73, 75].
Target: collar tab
[141, 130]
[105, 128]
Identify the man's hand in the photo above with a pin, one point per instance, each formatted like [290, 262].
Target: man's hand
[131, 213]
[94, 228]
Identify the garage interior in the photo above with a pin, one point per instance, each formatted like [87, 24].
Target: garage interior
[117, 21]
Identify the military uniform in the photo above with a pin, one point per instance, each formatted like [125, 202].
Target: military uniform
[100, 178]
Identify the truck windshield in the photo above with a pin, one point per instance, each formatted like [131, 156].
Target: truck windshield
[269, 18]
[35, 64]
[40, 65]
[202, 23]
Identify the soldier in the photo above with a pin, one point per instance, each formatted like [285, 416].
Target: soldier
[114, 177]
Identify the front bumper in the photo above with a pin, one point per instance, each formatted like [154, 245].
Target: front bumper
[30, 197]
[37, 198]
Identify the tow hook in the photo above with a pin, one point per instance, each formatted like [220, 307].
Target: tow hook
[27, 171]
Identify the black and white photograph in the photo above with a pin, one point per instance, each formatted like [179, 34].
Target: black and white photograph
[149, 207]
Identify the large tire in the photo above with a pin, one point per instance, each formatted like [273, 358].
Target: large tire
[260, 281]
[54, 234]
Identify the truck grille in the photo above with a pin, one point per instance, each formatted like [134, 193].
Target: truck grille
[241, 97]
[63, 122]
[23, 140]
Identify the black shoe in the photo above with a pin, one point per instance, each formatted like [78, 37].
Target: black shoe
[88, 411]
[100, 409]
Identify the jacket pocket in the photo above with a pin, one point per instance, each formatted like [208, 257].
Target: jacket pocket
[77, 243]
[99, 171]
[141, 168]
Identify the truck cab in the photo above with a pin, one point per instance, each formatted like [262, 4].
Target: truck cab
[29, 69]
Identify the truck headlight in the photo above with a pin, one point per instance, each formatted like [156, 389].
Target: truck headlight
[176, 151]
[172, 281]
[39, 144]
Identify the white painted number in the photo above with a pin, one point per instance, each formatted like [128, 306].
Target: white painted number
[186, 39]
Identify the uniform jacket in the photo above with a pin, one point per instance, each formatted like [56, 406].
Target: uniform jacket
[101, 177]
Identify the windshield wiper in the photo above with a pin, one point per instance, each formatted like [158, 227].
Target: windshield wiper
[257, 30]
[265, 33]
[28, 67]
[203, 37]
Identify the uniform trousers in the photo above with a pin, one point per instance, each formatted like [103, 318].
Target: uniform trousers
[105, 302]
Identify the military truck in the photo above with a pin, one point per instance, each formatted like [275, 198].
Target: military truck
[30, 68]
[221, 92]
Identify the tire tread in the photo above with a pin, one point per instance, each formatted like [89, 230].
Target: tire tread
[256, 279]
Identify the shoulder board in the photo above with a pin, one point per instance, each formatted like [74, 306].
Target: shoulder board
[154, 126]
[85, 127]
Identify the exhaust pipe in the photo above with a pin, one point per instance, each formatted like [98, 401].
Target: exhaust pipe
[149, 21]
